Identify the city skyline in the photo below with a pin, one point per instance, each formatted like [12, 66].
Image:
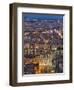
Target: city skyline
[43, 43]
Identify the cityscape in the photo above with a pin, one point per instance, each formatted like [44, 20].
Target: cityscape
[43, 43]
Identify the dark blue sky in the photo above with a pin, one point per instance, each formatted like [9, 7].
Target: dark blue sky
[32, 16]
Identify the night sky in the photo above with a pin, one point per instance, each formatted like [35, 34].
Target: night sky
[34, 16]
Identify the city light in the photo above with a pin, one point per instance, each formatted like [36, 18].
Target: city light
[43, 44]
